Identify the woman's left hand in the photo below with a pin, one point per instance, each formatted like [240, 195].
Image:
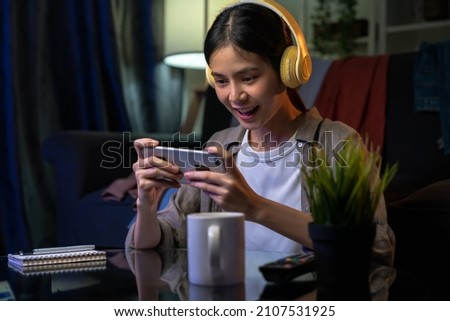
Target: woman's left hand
[229, 189]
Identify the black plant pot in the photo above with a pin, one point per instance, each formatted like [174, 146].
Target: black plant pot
[343, 255]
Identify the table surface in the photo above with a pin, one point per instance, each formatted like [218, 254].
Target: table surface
[162, 275]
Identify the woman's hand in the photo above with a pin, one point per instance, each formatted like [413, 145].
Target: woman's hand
[153, 174]
[229, 190]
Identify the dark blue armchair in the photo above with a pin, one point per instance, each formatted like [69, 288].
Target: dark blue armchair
[85, 163]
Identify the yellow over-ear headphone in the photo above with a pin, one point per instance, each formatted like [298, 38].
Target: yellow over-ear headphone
[295, 64]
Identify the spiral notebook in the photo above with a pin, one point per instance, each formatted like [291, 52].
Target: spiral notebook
[55, 256]
[45, 269]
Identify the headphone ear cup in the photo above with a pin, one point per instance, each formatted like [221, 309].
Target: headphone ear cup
[287, 67]
[209, 76]
[306, 69]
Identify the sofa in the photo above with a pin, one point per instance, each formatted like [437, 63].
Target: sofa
[418, 199]
[85, 164]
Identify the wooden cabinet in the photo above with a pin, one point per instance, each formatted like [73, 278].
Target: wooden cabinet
[404, 24]
[303, 11]
[394, 26]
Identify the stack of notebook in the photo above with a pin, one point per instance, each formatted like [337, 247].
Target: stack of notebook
[58, 260]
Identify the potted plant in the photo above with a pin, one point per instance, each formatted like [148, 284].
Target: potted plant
[343, 199]
[336, 27]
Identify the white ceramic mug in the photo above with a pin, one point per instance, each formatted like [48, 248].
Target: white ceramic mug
[216, 250]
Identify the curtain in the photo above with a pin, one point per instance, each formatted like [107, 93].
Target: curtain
[12, 218]
[152, 90]
[132, 20]
[60, 69]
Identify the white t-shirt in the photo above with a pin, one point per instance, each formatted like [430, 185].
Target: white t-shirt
[275, 175]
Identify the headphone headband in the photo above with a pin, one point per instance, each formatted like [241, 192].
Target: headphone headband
[295, 64]
[302, 71]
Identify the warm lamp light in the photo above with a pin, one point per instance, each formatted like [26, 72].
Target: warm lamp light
[186, 60]
[189, 61]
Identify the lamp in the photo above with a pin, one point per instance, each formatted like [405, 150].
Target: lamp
[184, 35]
[186, 60]
[183, 41]
[190, 61]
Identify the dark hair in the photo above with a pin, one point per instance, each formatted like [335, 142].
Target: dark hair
[252, 28]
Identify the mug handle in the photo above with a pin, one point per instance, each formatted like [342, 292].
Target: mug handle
[213, 250]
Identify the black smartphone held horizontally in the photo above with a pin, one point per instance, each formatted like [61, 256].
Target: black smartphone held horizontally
[188, 159]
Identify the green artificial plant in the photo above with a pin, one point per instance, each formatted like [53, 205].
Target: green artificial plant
[348, 192]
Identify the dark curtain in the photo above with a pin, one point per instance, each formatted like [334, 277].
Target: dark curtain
[137, 55]
[59, 70]
[12, 218]
[147, 82]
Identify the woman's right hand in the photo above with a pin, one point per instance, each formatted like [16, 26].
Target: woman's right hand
[153, 174]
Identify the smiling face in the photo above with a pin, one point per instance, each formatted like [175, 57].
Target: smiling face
[251, 90]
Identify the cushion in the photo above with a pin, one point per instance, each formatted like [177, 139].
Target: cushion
[421, 223]
[434, 197]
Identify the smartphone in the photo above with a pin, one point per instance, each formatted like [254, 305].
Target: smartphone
[188, 159]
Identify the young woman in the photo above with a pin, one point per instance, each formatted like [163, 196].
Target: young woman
[264, 153]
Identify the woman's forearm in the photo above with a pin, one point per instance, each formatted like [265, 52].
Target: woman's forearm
[283, 219]
[147, 232]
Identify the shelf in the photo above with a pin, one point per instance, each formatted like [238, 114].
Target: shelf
[362, 40]
[418, 26]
